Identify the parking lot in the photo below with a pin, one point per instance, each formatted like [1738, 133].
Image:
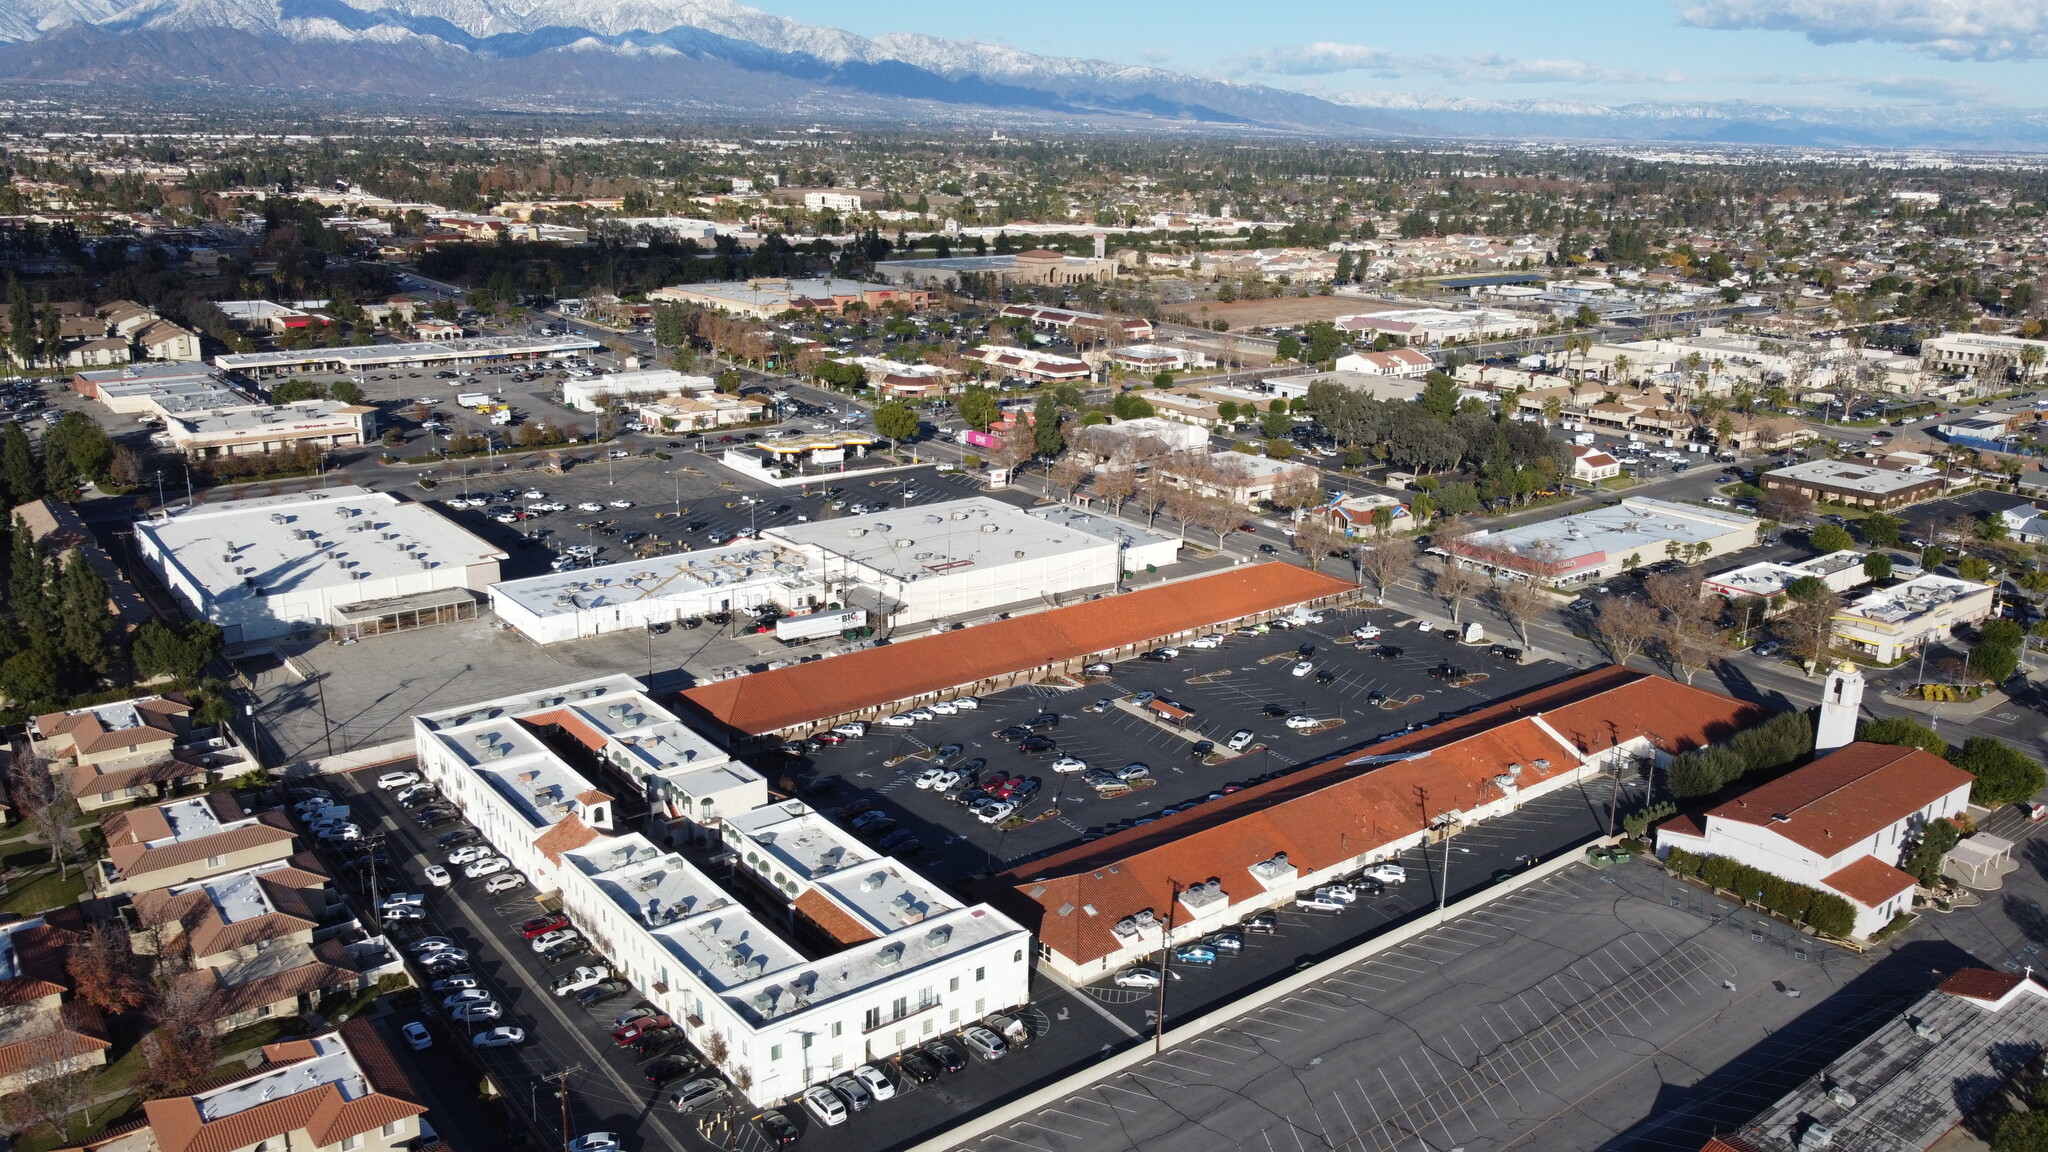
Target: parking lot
[1560, 1016]
[1247, 683]
[688, 501]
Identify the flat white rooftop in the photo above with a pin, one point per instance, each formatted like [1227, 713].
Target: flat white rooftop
[1616, 530]
[331, 1064]
[335, 536]
[1865, 478]
[659, 578]
[1915, 598]
[940, 539]
[890, 898]
[802, 841]
[419, 352]
[1121, 532]
[193, 819]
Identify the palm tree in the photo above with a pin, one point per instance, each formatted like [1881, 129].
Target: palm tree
[1553, 407]
[2031, 356]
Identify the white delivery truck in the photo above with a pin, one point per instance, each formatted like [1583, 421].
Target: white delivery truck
[503, 416]
[1583, 440]
[791, 629]
[474, 399]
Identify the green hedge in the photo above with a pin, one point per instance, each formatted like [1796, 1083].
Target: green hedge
[1824, 911]
[1776, 742]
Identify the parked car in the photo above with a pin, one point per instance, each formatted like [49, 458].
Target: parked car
[504, 882]
[825, 1104]
[579, 978]
[1194, 954]
[1070, 764]
[918, 1066]
[416, 1034]
[875, 1081]
[984, 1043]
[391, 780]
[1387, 873]
[486, 867]
[668, 1070]
[946, 1056]
[476, 1010]
[503, 1036]
[696, 1094]
[438, 876]
[776, 1128]
[1138, 978]
[548, 940]
[1240, 739]
[850, 1090]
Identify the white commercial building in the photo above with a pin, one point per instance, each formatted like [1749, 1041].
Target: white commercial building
[869, 958]
[1840, 571]
[202, 433]
[952, 559]
[1585, 547]
[418, 354]
[663, 589]
[1893, 622]
[273, 565]
[585, 393]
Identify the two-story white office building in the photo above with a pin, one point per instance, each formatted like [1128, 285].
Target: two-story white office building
[855, 961]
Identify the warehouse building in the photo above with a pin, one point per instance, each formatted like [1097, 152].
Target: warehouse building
[1102, 904]
[664, 589]
[596, 393]
[953, 559]
[864, 959]
[272, 566]
[785, 702]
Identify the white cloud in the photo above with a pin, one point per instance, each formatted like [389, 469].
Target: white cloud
[1156, 55]
[1327, 57]
[1952, 29]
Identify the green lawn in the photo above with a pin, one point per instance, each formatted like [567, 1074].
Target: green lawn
[257, 1035]
[44, 893]
[104, 1116]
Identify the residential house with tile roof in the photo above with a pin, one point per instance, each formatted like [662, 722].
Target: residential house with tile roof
[1841, 824]
[344, 1091]
[1102, 904]
[188, 839]
[130, 750]
[249, 936]
[43, 1031]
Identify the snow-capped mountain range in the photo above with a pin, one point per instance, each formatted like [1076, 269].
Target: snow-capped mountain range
[703, 54]
[717, 57]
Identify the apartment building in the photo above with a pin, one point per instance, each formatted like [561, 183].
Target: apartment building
[180, 841]
[127, 750]
[44, 1032]
[343, 1091]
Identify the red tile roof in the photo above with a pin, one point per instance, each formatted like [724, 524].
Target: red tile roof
[92, 780]
[39, 956]
[1846, 796]
[1339, 809]
[76, 1030]
[831, 919]
[869, 679]
[1870, 881]
[568, 834]
[323, 1112]
[1682, 826]
[90, 735]
[1728, 1143]
[1982, 984]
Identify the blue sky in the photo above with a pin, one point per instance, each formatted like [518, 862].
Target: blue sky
[1838, 53]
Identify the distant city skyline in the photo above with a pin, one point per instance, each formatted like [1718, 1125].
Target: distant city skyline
[1829, 53]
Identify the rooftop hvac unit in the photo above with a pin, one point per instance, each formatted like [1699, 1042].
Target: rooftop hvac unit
[889, 956]
[937, 937]
[873, 880]
[1841, 1096]
[903, 544]
[1019, 553]
[990, 528]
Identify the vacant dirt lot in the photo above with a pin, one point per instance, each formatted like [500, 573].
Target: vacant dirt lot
[1287, 310]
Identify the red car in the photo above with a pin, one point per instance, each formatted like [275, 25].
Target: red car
[637, 1028]
[540, 924]
[829, 738]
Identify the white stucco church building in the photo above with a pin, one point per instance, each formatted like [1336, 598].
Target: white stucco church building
[1841, 824]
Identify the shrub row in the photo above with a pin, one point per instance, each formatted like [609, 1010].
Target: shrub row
[1824, 911]
[1776, 742]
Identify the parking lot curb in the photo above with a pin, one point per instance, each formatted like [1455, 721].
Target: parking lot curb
[1140, 1052]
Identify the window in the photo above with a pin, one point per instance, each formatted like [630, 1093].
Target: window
[925, 998]
[900, 1008]
[774, 1052]
[953, 1017]
[981, 974]
[216, 861]
[838, 1062]
[872, 1021]
[953, 985]
[350, 1143]
[391, 1129]
[836, 1027]
[927, 1025]
[106, 797]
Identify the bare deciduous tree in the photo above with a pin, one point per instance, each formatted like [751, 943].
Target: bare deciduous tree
[1318, 538]
[1691, 644]
[1625, 628]
[1068, 473]
[1807, 631]
[1115, 485]
[1518, 602]
[1386, 562]
[1453, 584]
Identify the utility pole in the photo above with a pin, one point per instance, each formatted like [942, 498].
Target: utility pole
[1165, 955]
[560, 1079]
[320, 692]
